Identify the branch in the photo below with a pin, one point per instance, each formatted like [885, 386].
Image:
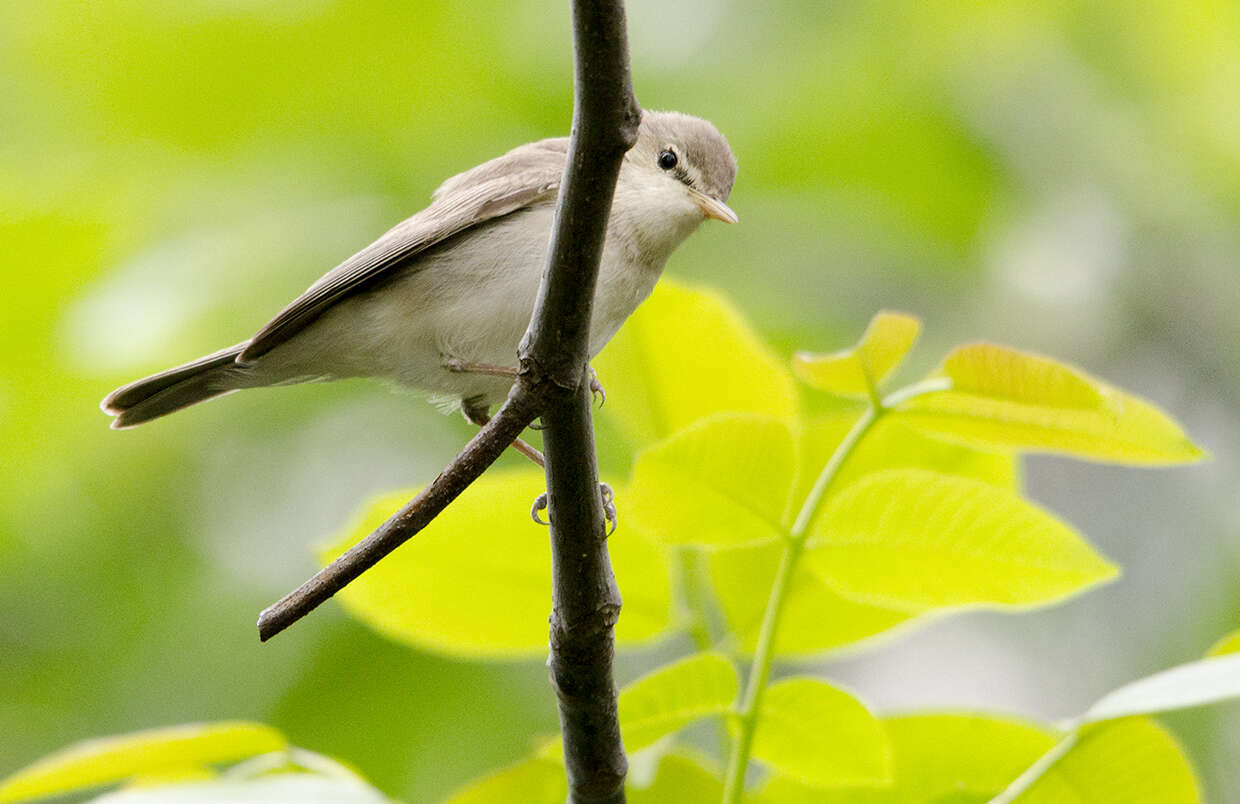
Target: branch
[585, 599]
[553, 355]
[483, 449]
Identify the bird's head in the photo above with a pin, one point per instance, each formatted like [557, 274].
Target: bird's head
[685, 163]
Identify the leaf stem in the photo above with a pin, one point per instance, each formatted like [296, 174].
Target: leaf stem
[829, 472]
[749, 712]
[1036, 770]
[764, 652]
[930, 386]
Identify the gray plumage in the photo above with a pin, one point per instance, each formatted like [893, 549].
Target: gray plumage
[454, 285]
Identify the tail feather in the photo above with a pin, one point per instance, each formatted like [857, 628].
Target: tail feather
[176, 388]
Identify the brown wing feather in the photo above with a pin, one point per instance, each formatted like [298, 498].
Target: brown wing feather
[521, 177]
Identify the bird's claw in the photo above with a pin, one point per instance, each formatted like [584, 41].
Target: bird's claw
[609, 508]
[540, 504]
[596, 388]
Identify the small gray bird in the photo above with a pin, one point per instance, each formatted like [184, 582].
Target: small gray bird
[441, 301]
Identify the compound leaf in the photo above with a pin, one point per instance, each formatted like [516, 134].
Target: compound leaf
[1002, 397]
[820, 735]
[857, 372]
[922, 540]
[721, 481]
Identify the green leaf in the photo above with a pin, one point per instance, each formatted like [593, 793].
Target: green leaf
[674, 696]
[1226, 645]
[1001, 397]
[937, 754]
[477, 581]
[816, 618]
[685, 354]
[1133, 761]
[939, 758]
[682, 779]
[820, 735]
[304, 788]
[107, 760]
[921, 540]
[892, 444]
[533, 781]
[857, 372]
[174, 775]
[721, 481]
[1197, 683]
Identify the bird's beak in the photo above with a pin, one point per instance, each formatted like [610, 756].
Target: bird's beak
[713, 208]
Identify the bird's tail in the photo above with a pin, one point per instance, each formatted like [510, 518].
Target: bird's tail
[168, 391]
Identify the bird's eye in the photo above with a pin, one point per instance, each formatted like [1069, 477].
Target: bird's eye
[668, 159]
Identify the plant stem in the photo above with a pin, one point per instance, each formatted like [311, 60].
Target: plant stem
[1036, 770]
[760, 669]
[759, 672]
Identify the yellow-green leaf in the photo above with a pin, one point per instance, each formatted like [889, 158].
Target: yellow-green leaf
[942, 753]
[685, 354]
[894, 445]
[721, 481]
[674, 696]
[681, 779]
[191, 772]
[922, 540]
[1001, 397]
[1133, 761]
[815, 617]
[477, 581]
[819, 735]
[532, 781]
[281, 787]
[1228, 644]
[938, 757]
[858, 371]
[106, 760]
[1000, 372]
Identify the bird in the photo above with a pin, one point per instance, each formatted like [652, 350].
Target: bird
[440, 302]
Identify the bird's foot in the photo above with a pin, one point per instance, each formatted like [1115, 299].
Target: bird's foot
[540, 504]
[596, 388]
[609, 508]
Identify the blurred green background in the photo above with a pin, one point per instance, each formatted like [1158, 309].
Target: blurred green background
[1062, 176]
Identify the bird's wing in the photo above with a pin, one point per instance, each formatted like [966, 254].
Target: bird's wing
[523, 176]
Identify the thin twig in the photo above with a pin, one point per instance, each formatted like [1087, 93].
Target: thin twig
[749, 712]
[482, 451]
